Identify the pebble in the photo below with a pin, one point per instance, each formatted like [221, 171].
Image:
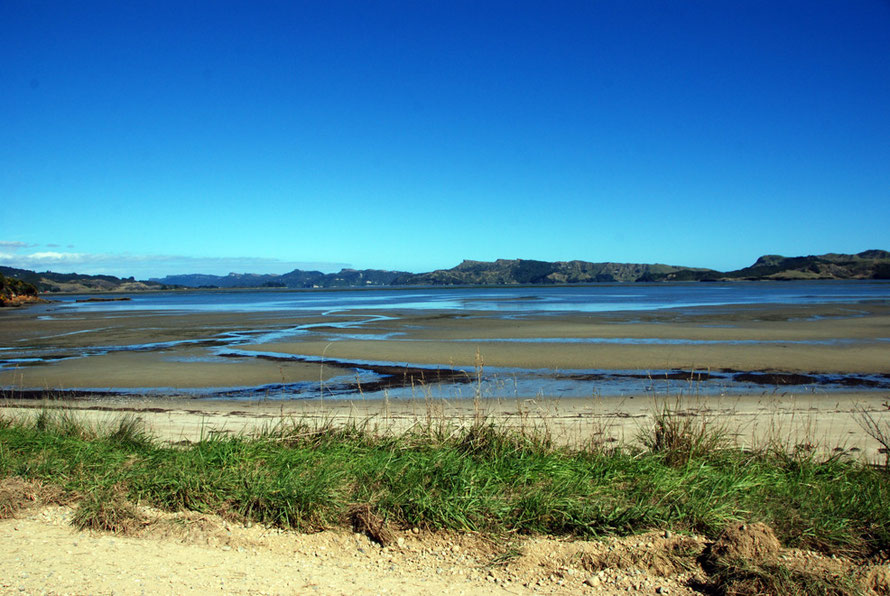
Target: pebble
[593, 581]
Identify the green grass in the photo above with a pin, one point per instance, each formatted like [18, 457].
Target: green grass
[480, 478]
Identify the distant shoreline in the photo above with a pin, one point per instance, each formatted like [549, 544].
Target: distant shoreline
[183, 289]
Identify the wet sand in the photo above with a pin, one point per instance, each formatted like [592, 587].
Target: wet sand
[166, 371]
[831, 339]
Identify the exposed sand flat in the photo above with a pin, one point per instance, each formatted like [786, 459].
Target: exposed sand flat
[859, 358]
[743, 322]
[174, 369]
[180, 350]
[847, 339]
[73, 329]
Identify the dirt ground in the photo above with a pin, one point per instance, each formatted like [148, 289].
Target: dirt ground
[202, 554]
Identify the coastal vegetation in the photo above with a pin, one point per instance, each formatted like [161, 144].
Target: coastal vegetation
[683, 477]
[15, 292]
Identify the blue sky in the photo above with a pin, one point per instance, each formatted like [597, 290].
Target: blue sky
[169, 137]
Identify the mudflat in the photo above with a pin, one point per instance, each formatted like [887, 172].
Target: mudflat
[829, 338]
[145, 350]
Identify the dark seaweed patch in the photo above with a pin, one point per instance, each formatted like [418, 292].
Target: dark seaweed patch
[775, 378]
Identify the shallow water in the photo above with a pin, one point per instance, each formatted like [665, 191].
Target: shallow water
[508, 300]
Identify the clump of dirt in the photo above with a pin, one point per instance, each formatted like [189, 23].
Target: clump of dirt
[747, 559]
[659, 557]
[754, 543]
[365, 521]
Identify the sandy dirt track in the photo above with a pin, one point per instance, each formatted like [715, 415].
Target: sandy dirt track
[195, 554]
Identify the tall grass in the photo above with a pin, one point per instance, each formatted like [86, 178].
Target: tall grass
[479, 477]
[877, 429]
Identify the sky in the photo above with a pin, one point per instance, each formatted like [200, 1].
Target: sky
[154, 138]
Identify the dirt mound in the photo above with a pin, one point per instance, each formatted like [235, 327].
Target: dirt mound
[754, 543]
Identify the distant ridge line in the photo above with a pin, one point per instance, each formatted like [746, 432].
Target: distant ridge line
[869, 264]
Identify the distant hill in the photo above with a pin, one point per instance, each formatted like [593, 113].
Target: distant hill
[524, 271]
[76, 282]
[870, 264]
[232, 280]
[345, 278]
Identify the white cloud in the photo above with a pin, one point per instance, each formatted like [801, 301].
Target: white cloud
[145, 266]
[55, 256]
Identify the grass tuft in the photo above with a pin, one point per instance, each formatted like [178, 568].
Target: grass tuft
[682, 436]
[129, 431]
[107, 509]
[877, 429]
